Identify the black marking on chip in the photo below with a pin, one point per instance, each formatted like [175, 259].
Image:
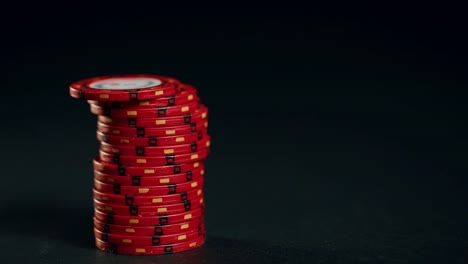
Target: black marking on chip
[129, 200]
[152, 141]
[168, 250]
[194, 147]
[158, 230]
[177, 169]
[161, 112]
[156, 240]
[133, 95]
[188, 175]
[163, 220]
[121, 171]
[187, 205]
[140, 131]
[110, 218]
[132, 122]
[116, 188]
[140, 151]
[116, 158]
[172, 188]
[187, 119]
[193, 127]
[171, 101]
[170, 160]
[136, 180]
[133, 209]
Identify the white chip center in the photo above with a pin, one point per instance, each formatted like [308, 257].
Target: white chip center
[125, 83]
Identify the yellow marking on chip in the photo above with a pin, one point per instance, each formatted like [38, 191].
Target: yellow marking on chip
[185, 109]
[108, 208]
[143, 190]
[159, 92]
[132, 113]
[187, 216]
[180, 139]
[185, 226]
[110, 180]
[126, 240]
[206, 124]
[141, 161]
[160, 122]
[144, 103]
[201, 200]
[202, 172]
[203, 115]
[133, 221]
[140, 250]
[199, 192]
[170, 132]
[194, 184]
[193, 244]
[165, 180]
[190, 97]
[182, 237]
[148, 171]
[100, 167]
[129, 230]
[116, 132]
[126, 141]
[105, 198]
[208, 143]
[194, 156]
[162, 210]
[196, 164]
[104, 96]
[157, 200]
[168, 151]
[114, 150]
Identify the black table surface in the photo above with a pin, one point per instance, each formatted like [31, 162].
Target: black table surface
[335, 138]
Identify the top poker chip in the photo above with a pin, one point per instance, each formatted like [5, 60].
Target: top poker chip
[119, 88]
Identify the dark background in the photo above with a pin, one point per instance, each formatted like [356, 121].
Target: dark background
[339, 134]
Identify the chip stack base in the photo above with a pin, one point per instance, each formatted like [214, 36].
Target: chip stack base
[149, 172]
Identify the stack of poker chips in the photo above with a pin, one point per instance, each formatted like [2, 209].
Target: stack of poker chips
[149, 173]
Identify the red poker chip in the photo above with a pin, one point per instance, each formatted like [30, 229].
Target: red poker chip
[148, 190]
[150, 250]
[152, 132]
[149, 180]
[178, 110]
[153, 160]
[126, 240]
[147, 220]
[135, 210]
[200, 114]
[203, 143]
[157, 230]
[150, 141]
[149, 175]
[118, 199]
[114, 169]
[187, 94]
[133, 87]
